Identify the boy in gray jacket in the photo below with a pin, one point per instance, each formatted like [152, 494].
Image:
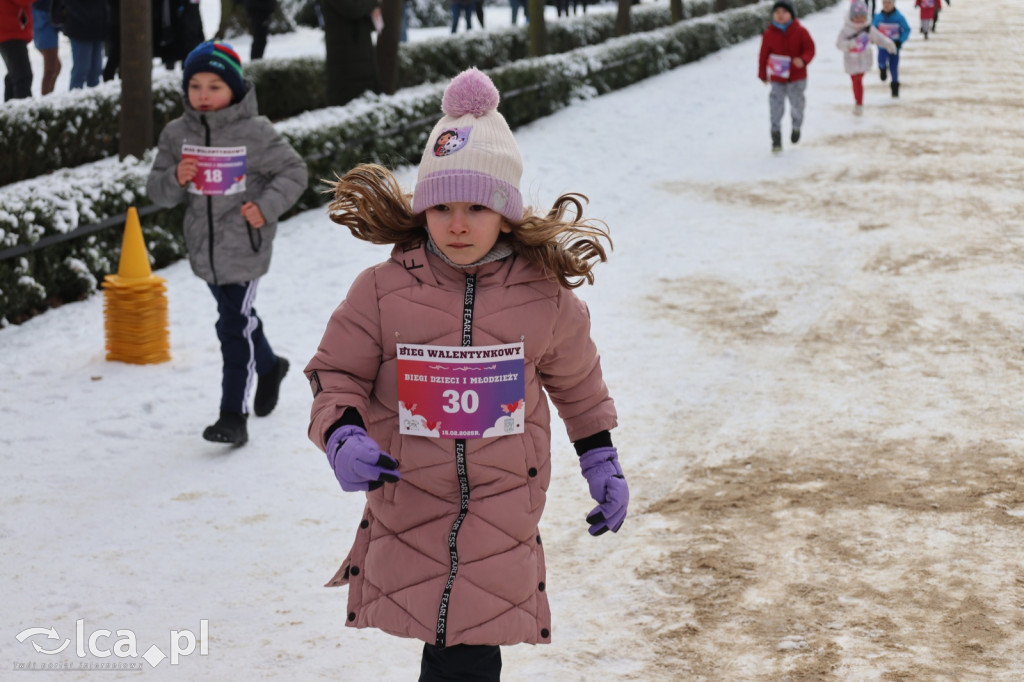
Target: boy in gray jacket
[237, 175]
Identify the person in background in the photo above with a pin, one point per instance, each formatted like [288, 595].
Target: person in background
[227, 8]
[928, 9]
[15, 34]
[113, 47]
[855, 39]
[478, 8]
[938, 10]
[45, 37]
[461, 7]
[516, 6]
[177, 29]
[448, 549]
[786, 51]
[87, 25]
[351, 63]
[260, 13]
[230, 222]
[894, 25]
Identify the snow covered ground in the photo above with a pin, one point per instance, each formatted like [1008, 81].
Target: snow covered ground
[816, 357]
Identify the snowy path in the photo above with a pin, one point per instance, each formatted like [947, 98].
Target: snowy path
[816, 357]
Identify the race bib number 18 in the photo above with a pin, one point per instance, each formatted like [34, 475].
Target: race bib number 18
[461, 391]
[221, 169]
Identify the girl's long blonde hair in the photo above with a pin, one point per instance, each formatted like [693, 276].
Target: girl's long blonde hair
[369, 201]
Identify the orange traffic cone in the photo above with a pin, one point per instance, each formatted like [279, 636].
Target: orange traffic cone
[135, 304]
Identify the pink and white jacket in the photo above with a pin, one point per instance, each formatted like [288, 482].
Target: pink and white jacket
[400, 564]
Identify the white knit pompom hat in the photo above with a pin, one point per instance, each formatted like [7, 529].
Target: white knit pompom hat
[471, 155]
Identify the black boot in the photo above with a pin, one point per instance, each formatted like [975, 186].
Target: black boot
[268, 387]
[895, 89]
[794, 136]
[230, 428]
[776, 140]
[883, 73]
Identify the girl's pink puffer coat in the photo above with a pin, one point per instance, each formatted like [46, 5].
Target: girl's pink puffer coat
[399, 565]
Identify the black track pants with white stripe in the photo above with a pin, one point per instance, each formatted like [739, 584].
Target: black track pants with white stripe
[243, 346]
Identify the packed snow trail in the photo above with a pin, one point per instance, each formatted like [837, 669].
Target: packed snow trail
[816, 358]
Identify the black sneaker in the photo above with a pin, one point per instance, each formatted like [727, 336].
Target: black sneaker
[230, 428]
[794, 136]
[776, 141]
[268, 387]
[883, 73]
[895, 89]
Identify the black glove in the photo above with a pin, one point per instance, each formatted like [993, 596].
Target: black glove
[899, 43]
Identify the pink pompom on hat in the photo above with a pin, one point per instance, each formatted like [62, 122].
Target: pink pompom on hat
[471, 155]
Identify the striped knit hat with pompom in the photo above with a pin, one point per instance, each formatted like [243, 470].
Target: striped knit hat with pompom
[219, 58]
[471, 155]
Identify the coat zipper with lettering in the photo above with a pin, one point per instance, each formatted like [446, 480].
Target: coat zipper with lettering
[209, 208]
[460, 469]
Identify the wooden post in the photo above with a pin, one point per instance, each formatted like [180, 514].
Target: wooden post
[537, 31]
[136, 120]
[622, 21]
[676, 9]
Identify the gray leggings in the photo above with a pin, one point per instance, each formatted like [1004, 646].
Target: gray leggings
[777, 102]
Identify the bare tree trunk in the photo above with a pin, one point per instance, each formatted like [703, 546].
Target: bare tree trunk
[136, 120]
[538, 31]
[387, 45]
[622, 23]
[676, 8]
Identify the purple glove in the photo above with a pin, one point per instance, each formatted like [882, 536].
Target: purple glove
[607, 486]
[357, 460]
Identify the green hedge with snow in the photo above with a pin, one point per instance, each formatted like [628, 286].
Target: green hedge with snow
[383, 129]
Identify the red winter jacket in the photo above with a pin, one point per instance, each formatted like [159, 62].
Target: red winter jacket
[399, 563]
[927, 8]
[794, 42]
[15, 20]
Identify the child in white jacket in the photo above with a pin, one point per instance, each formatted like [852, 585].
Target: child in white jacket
[855, 40]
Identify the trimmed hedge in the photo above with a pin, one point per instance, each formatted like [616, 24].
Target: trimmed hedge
[38, 136]
[383, 129]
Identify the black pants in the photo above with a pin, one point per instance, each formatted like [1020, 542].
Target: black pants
[260, 14]
[18, 81]
[460, 663]
[243, 346]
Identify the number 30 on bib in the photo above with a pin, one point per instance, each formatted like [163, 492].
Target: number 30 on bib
[461, 392]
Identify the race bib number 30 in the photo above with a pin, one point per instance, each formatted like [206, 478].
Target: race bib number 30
[461, 391]
[221, 169]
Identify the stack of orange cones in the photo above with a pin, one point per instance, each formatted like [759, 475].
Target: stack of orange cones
[135, 304]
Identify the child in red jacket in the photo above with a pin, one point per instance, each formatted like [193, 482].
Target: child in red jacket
[786, 50]
[927, 8]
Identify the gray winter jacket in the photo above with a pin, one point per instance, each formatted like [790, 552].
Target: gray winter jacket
[222, 247]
